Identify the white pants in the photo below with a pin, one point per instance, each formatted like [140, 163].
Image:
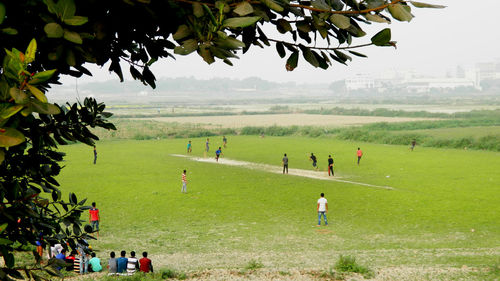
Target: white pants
[184, 189]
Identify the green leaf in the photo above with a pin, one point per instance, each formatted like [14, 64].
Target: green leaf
[2, 156]
[198, 10]
[11, 110]
[340, 21]
[355, 31]
[4, 241]
[292, 61]
[342, 56]
[399, 12]
[320, 4]
[358, 54]
[70, 58]
[2, 12]
[309, 56]
[371, 4]
[53, 30]
[10, 137]
[30, 51]
[187, 47]
[65, 9]
[41, 77]
[243, 8]
[183, 31]
[229, 43]
[283, 26]
[51, 6]
[9, 260]
[375, 18]
[273, 6]
[44, 108]
[76, 20]
[240, 22]
[3, 227]
[204, 52]
[19, 96]
[281, 49]
[37, 93]
[9, 31]
[425, 5]
[72, 36]
[382, 38]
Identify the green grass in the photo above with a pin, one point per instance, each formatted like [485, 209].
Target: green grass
[232, 215]
[446, 133]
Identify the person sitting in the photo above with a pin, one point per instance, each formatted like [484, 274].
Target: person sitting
[112, 264]
[145, 263]
[70, 260]
[61, 256]
[95, 264]
[132, 264]
[122, 263]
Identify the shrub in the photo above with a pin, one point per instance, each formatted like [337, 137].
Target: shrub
[348, 264]
[254, 264]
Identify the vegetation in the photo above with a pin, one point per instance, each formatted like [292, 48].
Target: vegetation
[348, 264]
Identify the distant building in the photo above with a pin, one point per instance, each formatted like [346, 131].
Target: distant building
[489, 70]
[359, 82]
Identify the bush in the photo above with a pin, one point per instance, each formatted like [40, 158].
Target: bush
[347, 264]
[254, 264]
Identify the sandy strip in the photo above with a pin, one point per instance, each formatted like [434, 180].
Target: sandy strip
[279, 170]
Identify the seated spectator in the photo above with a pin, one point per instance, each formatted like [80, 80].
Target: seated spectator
[61, 256]
[145, 263]
[55, 250]
[76, 264]
[95, 263]
[112, 264]
[70, 260]
[122, 263]
[132, 264]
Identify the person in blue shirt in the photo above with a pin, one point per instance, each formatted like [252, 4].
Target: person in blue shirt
[122, 262]
[61, 256]
[218, 153]
[189, 149]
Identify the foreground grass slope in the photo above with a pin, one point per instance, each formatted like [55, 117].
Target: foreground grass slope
[444, 210]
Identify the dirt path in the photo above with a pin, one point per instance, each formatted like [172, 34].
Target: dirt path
[279, 170]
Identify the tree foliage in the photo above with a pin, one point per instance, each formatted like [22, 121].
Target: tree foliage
[62, 36]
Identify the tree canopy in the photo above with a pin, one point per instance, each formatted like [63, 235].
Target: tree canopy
[42, 40]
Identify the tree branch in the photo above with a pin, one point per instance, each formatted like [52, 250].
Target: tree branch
[322, 48]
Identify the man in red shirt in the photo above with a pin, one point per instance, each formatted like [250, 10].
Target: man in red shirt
[94, 218]
[145, 263]
[359, 153]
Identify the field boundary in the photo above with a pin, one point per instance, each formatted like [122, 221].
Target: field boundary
[279, 170]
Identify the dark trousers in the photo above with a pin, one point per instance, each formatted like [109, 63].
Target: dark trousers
[359, 158]
[285, 167]
[330, 169]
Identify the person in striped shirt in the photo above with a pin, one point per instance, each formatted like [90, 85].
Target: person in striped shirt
[132, 264]
[184, 182]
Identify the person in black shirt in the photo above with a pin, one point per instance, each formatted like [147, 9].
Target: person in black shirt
[314, 160]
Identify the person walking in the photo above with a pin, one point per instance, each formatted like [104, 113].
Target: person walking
[322, 209]
[94, 219]
[207, 147]
[95, 155]
[189, 149]
[184, 182]
[285, 164]
[413, 143]
[330, 165]
[314, 160]
[360, 154]
[224, 141]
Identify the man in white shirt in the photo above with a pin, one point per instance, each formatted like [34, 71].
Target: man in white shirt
[322, 209]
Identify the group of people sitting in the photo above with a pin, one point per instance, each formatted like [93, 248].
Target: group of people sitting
[79, 262]
[128, 266]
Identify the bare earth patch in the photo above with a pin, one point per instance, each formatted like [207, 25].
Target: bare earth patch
[279, 170]
[239, 121]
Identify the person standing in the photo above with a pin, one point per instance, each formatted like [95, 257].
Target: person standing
[189, 147]
[224, 141]
[145, 264]
[207, 145]
[184, 182]
[322, 209]
[95, 155]
[330, 165]
[413, 143]
[218, 153]
[285, 164]
[94, 219]
[360, 154]
[314, 160]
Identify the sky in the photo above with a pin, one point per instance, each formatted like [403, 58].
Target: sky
[434, 42]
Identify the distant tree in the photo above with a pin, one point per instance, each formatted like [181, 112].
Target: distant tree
[63, 36]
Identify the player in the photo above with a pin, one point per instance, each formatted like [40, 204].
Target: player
[330, 165]
[189, 149]
[218, 153]
[314, 160]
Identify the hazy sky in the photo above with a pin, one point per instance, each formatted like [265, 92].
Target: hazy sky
[435, 41]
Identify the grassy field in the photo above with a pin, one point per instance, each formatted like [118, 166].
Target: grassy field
[441, 221]
[473, 132]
